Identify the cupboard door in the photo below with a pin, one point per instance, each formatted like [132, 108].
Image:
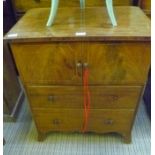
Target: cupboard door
[117, 63]
[49, 63]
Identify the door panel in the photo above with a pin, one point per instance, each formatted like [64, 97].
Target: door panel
[119, 63]
[49, 63]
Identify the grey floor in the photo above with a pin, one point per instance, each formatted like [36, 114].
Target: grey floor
[21, 139]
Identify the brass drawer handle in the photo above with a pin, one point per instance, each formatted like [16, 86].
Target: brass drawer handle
[51, 98]
[56, 122]
[109, 122]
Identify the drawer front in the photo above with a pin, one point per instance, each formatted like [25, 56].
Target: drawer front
[48, 63]
[22, 5]
[72, 96]
[118, 63]
[110, 120]
[58, 119]
[55, 97]
[112, 97]
[72, 120]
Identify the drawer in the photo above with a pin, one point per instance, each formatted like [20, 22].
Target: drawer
[110, 120]
[48, 63]
[58, 119]
[72, 120]
[125, 63]
[55, 96]
[115, 97]
[72, 96]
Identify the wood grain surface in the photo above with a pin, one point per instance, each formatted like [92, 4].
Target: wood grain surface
[71, 120]
[102, 97]
[58, 120]
[94, 22]
[56, 63]
[117, 63]
[51, 62]
[109, 120]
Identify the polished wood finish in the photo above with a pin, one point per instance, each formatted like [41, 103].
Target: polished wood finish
[117, 63]
[112, 64]
[51, 63]
[48, 63]
[69, 120]
[102, 120]
[58, 120]
[32, 27]
[22, 5]
[102, 97]
[55, 96]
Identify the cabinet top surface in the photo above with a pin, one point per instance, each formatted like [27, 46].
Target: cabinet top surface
[72, 24]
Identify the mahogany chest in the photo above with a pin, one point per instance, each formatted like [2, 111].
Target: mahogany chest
[52, 62]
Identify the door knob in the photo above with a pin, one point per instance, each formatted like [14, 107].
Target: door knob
[79, 68]
[78, 64]
[85, 64]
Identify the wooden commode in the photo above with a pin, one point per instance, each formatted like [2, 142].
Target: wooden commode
[51, 62]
